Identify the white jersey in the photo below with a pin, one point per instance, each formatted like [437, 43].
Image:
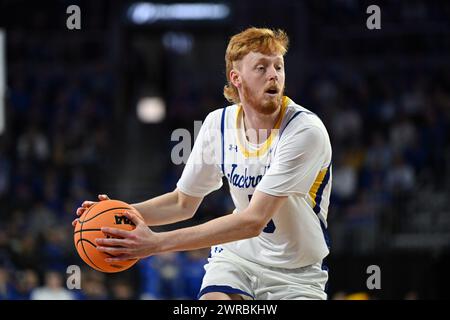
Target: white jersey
[295, 161]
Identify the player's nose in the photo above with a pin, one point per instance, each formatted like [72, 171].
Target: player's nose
[272, 74]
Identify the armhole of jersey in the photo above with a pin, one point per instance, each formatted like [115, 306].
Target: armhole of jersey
[322, 186]
[222, 131]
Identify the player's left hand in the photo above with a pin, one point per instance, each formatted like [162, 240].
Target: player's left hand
[125, 245]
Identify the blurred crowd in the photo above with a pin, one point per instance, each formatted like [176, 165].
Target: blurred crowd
[389, 136]
[52, 155]
[389, 130]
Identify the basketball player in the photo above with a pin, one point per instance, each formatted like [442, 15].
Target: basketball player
[276, 156]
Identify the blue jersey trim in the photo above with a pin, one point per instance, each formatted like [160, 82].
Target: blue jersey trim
[320, 191]
[295, 116]
[223, 289]
[292, 118]
[222, 130]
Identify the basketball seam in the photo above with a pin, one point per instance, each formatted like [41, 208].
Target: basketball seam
[82, 244]
[90, 242]
[86, 230]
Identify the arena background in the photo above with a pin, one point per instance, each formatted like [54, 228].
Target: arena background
[72, 130]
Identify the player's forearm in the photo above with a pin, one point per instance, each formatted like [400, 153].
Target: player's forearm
[164, 209]
[225, 229]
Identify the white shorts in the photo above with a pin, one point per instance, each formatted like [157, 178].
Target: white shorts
[228, 273]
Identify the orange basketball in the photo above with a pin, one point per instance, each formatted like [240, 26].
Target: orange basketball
[107, 213]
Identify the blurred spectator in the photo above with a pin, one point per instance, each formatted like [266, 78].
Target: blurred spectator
[6, 288]
[41, 219]
[400, 178]
[54, 249]
[122, 290]
[193, 272]
[25, 252]
[347, 125]
[5, 169]
[93, 287]
[27, 281]
[379, 153]
[162, 277]
[402, 135]
[345, 180]
[33, 145]
[53, 288]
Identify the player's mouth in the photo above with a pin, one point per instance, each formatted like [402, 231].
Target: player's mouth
[272, 91]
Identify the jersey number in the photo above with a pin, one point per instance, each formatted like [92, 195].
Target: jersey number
[270, 228]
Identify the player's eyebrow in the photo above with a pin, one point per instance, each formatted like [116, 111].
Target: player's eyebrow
[266, 60]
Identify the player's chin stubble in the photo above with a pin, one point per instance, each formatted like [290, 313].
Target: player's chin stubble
[263, 105]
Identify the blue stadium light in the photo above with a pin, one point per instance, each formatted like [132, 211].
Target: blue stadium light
[147, 12]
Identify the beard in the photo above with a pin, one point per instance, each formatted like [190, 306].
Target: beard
[265, 105]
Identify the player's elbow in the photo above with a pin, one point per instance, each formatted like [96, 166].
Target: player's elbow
[187, 205]
[186, 211]
[258, 228]
[254, 226]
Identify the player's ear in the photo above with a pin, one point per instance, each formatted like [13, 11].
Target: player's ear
[235, 78]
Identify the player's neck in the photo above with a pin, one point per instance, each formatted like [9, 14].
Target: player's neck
[258, 122]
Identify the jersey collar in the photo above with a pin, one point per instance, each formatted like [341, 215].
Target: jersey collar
[266, 144]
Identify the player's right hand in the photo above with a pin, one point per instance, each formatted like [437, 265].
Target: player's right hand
[86, 205]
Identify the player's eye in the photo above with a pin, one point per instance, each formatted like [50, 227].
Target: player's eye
[260, 68]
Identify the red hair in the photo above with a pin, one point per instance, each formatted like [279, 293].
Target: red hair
[263, 40]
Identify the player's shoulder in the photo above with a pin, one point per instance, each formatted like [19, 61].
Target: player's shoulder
[297, 117]
[301, 123]
[216, 116]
